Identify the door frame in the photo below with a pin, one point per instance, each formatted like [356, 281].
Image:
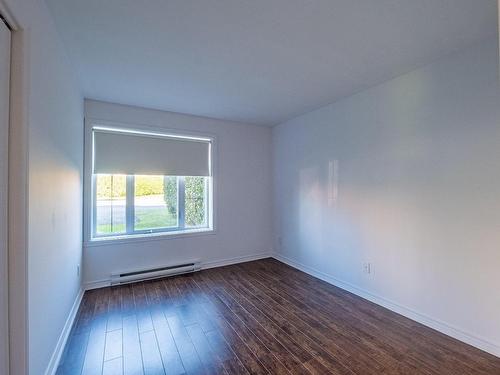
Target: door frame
[4, 218]
[17, 307]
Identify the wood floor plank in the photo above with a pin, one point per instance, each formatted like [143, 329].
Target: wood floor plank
[166, 300]
[219, 335]
[288, 352]
[366, 327]
[326, 351]
[114, 344]
[348, 337]
[151, 358]
[196, 300]
[314, 363]
[189, 356]
[260, 317]
[141, 308]
[291, 325]
[72, 360]
[97, 339]
[362, 321]
[226, 355]
[378, 351]
[238, 346]
[113, 367]
[210, 361]
[86, 312]
[253, 340]
[168, 350]
[128, 302]
[115, 309]
[401, 328]
[132, 355]
[249, 360]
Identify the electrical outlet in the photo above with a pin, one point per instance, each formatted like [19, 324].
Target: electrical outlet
[367, 268]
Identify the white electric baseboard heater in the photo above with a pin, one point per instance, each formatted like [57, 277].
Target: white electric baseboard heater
[154, 273]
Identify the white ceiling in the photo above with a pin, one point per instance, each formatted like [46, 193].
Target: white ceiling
[257, 61]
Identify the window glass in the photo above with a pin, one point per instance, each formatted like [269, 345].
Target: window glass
[195, 201]
[155, 202]
[110, 213]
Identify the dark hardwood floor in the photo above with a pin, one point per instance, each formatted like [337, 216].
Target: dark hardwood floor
[260, 317]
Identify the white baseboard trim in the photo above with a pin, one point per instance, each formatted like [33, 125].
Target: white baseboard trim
[438, 325]
[96, 284]
[204, 265]
[235, 260]
[63, 338]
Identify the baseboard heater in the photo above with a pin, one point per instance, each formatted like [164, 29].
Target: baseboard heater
[154, 273]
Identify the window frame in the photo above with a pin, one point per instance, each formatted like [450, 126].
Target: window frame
[130, 210]
[89, 219]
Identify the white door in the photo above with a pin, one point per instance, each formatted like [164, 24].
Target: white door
[4, 138]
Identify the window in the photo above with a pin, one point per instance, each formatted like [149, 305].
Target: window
[127, 200]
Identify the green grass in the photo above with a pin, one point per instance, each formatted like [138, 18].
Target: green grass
[146, 218]
[107, 229]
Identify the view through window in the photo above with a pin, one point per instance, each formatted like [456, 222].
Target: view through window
[146, 204]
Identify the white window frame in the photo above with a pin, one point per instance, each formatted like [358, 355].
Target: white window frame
[130, 210]
[142, 235]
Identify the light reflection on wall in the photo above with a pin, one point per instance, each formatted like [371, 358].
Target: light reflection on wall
[333, 182]
[310, 210]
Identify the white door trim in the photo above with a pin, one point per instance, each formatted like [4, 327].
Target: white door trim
[5, 45]
[17, 194]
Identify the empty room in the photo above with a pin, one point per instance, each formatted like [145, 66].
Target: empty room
[249, 187]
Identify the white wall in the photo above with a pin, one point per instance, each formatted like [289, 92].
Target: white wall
[418, 194]
[49, 105]
[243, 197]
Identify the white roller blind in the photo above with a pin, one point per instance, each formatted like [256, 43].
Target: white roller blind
[143, 154]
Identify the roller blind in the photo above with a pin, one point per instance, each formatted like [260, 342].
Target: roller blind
[143, 154]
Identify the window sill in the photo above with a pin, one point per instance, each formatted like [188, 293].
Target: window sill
[131, 238]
